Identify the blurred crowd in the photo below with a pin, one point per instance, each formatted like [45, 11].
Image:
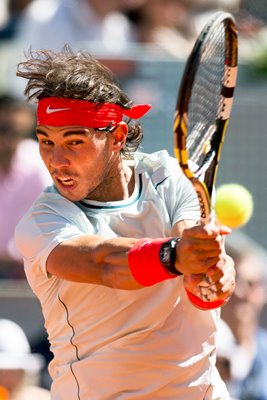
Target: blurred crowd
[117, 24]
[19, 367]
[242, 337]
[113, 28]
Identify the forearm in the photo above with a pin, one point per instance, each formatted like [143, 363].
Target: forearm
[95, 260]
[100, 261]
[129, 263]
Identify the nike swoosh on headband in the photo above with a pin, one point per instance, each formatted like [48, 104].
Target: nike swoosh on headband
[56, 111]
[53, 110]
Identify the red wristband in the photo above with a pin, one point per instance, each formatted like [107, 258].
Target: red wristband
[207, 305]
[144, 262]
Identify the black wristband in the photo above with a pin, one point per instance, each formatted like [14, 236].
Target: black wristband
[167, 255]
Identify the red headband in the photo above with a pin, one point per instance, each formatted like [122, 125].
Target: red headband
[55, 111]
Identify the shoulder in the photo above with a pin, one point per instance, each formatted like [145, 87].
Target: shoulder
[50, 220]
[51, 206]
[158, 161]
[162, 168]
[154, 159]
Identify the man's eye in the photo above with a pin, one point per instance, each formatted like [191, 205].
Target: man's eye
[76, 142]
[46, 142]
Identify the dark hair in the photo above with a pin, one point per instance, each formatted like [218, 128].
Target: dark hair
[74, 75]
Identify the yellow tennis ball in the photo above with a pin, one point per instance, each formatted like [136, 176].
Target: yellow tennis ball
[234, 205]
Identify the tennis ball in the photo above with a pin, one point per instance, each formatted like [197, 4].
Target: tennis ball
[234, 205]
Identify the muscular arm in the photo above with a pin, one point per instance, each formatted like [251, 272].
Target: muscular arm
[100, 261]
[94, 259]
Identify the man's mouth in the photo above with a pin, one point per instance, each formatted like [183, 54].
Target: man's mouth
[65, 181]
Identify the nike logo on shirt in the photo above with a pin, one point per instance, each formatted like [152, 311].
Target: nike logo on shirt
[53, 110]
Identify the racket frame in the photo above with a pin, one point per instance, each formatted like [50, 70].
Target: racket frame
[209, 167]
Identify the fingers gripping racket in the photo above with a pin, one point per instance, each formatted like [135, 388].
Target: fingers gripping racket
[204, 104]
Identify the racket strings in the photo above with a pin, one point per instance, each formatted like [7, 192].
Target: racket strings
[206, 101]
[204, 104]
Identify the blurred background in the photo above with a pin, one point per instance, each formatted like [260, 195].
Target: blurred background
[145, 43]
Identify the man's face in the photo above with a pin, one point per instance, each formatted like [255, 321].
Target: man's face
[79, 160]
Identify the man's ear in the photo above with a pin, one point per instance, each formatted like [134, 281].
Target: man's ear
[120, 133]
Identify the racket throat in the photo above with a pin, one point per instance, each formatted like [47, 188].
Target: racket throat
[203, 197]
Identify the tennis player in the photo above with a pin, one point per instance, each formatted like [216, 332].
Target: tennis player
[129, 279]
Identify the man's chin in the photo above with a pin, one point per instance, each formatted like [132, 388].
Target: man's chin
[67, 194]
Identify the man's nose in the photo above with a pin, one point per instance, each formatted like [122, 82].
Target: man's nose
[58, 158]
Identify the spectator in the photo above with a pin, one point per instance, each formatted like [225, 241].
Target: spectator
[3, 15]
[251, 21]
[22, 177]
[47, 23]
[165, 23]
[99, 26]
[202, 10]
[19, 368]
[10, 11]
[242, 313]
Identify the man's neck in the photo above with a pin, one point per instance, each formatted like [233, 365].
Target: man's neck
[118, 184]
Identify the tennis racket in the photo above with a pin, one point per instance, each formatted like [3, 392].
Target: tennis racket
[204, 105]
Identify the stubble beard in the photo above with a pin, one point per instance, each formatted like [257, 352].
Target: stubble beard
[101, 188]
